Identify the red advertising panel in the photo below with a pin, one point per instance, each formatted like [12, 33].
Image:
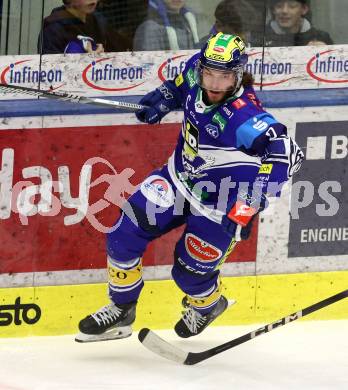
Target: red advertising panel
[61, 188]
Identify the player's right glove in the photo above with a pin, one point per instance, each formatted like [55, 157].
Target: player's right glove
[159, 103]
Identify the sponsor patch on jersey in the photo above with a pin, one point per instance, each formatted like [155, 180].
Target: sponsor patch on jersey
[227, 111]
[220, 120]
[238, 104]
[158, 190]
[179, 80]
[201, 250]
[266, 169]
[190, 78]
[212, 130]
[191, 139]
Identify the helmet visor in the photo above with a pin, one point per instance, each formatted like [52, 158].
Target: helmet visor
[215, 79]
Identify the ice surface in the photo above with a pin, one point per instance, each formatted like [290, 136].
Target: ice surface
[302, 355]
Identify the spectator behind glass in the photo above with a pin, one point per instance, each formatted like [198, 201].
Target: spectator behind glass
[124, 16]
[76, 27]
[168, 26]
[289, 27]
[239, 17]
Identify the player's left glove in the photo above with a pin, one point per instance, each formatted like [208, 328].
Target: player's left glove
[159, 103]
[238, 221]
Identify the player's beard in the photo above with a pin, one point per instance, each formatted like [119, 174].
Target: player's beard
[215, 97]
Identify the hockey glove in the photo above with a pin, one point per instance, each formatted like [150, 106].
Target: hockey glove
[238, 221]
[284, 158]
[159, 102]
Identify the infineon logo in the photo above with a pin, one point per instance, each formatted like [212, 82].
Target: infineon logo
[104, 76]
[22, 72]
[280, 72]
[171, 67]
[329, 66]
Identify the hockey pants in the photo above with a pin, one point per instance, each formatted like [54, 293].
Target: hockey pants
[153, 210]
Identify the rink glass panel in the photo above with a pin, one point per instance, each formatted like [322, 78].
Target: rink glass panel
[21, 21]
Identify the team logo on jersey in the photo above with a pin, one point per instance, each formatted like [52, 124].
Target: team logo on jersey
[201, 250]
[212, 130]
[196, 166]
[158, 190]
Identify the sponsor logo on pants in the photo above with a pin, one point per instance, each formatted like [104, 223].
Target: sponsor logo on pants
[158, 190]
[201, 250]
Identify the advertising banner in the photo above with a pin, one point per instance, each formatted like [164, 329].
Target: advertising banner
[318, 226]
[61, 189]
[117, 74]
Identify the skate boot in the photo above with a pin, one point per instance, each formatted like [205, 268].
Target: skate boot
[193, 322]
[109, 323]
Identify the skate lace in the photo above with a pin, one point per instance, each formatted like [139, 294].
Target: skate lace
[193, 319]
[107, 314]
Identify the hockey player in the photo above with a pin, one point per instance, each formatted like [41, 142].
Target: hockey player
[230, 154]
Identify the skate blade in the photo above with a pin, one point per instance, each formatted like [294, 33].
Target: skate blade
[112, 334]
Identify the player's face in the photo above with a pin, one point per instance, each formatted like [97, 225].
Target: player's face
[217, 84]
[289, 13]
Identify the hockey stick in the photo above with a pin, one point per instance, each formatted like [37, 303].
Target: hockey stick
[70, 97]
[161, 347]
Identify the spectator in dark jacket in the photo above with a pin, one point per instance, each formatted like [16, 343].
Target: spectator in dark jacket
[289, 26]
[76, 27]
[169, 26]
[244, 18]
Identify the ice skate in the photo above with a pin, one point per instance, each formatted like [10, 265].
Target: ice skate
[109, 323]
[193, 323]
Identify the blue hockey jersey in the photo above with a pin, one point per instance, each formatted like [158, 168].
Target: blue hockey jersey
[224, 148]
